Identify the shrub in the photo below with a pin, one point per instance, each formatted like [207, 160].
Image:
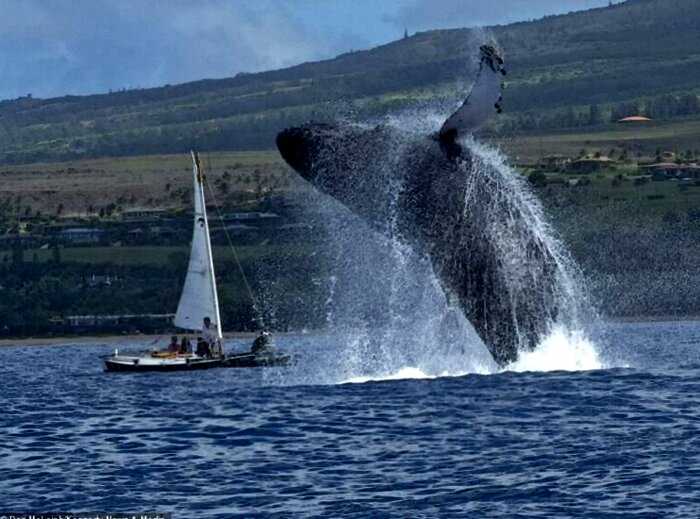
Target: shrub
[537, 179]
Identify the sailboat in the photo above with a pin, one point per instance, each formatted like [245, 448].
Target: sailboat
[198, 302]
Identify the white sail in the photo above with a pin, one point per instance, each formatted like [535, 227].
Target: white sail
[199, 298]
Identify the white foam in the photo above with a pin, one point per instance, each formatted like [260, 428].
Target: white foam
[562, 350]
[405, 373]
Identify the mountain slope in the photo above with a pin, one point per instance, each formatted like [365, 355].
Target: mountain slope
[559, 65]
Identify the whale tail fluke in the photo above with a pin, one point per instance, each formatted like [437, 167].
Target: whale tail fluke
[484, 99]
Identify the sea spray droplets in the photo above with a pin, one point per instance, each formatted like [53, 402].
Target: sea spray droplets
[575, 312]
[387, 306]
[562, 350]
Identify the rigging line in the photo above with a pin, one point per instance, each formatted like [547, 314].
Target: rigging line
[256, 309]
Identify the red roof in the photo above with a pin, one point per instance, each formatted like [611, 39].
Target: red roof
[634, 119]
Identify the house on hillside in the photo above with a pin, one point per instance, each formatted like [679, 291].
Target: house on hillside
[553, 163]
[587, 165]
[249, 216]
[670, 170]
[634, 119]
[127, 322]
[81, 235]
[142, 214]
[71, 219]
[236, 229]
[96, 280]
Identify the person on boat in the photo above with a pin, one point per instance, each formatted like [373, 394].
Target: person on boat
[185, 346]
[173, 347]
[211, 336]
[203, 349]
[261, 344]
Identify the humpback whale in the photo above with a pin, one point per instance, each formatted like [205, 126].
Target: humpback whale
[432, 193]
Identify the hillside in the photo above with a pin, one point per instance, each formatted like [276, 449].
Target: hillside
[580, 69]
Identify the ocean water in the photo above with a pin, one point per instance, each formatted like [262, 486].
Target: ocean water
[600, 427]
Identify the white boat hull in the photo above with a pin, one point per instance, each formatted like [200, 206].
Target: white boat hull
[152, 363]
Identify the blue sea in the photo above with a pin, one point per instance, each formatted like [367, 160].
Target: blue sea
[617, 435]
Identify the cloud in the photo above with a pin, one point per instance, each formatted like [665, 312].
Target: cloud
[420, 15]
[56, 47]
[52, 47]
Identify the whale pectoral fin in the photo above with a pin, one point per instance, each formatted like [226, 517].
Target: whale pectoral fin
[483, 100]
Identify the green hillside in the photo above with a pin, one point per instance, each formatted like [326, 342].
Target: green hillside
[577, 70]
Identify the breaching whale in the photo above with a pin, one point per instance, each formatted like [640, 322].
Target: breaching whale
[431, 193]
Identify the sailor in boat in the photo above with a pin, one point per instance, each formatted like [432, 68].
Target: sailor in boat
[173, 347]
[185, 346]
[170, 351]
[210, 334]
[262, 345]
[203, 349]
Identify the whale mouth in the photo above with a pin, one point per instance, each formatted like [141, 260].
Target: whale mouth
[294, 144]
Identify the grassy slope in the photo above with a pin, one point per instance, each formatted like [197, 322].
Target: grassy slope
[644, 137]
[640, 48]
[142, 181]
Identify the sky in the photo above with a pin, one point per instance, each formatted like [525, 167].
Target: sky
[50, 48]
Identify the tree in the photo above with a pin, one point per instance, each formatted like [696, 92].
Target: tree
[17, 253]
[537, 179]
[56, 254]
[688, 105]
[571, 118]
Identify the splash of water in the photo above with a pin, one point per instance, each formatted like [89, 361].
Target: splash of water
[572, 309]
[406, 373]
[386, 305]
[562, 350]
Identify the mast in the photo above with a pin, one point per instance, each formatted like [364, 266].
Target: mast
[199, 185]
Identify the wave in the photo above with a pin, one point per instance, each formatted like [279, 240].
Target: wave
[414, 373]
[562, 350]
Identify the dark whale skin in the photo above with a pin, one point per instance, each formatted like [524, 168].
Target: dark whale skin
[413, 188]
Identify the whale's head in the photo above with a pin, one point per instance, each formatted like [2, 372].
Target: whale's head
[303, 146]
[357, 165]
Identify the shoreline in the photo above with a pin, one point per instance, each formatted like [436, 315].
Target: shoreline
[111, 339]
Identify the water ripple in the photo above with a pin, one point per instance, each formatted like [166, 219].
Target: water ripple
[222, 444]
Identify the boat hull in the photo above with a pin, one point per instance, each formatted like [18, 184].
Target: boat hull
[250, 360]
[146, 364]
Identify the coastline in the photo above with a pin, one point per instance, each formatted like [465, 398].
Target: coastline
[106, 339]
[163, 338]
